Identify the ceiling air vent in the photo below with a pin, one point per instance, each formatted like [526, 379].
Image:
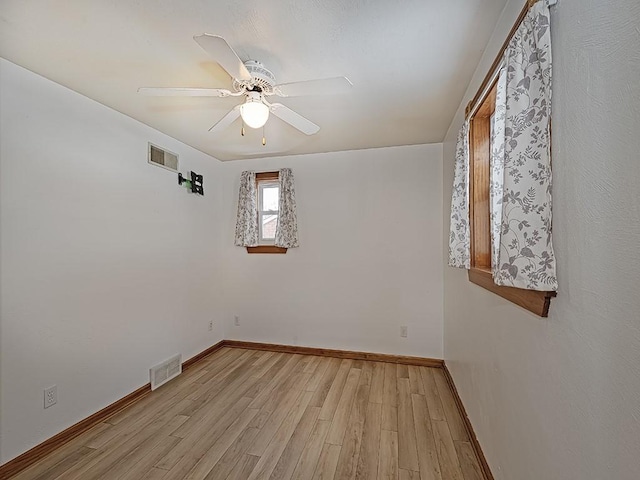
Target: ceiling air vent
[165, 371]
[163, 158]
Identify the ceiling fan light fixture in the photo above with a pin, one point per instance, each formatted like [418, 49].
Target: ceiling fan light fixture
[254, 113]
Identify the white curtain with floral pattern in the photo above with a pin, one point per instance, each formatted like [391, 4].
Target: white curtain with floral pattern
[247, 218]
[522, 251]
[287, 227]
[459, 235]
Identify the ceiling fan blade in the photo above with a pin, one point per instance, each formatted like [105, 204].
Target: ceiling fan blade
[219, 49]
[227, 120]
[184, 92]
[324, 86]
[294, 119]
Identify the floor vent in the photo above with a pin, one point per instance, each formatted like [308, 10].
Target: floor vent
[165, 371]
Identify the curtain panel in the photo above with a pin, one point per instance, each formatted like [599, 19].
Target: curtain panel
[287, 226]
[247, 217]
[459, 234]
[522, 249]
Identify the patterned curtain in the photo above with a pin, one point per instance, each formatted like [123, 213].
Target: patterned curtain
[459, 236]
[287, 227]
[247, 218]
[496, 160]
[524, 256]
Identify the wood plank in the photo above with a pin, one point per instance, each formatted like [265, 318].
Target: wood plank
[273, 423]
[408, 474]
[335, 391]
[339, 423]
[318, 374]
[434, 404]
[389, 417]
[233, 455]
[244, 468]
[147, 452]
[202, 436]
[427, 452]
[370, 446]
[535, 301]
[468, 462]
[289, 459]
[475, 445]
[389, 395]
[402, 371]
[59, 468]
[328, 462]
[272, 453]
[388, 460]
[352, 440]
[146, 463]
[415, 380]
[323, 385]
[451, 412]
[377, 383]
[407, 446]
[211, 457]
[447, 455]
[311, 453]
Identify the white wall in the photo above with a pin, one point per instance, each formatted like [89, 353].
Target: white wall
[370, 226]
[108, 267]
[559, 398]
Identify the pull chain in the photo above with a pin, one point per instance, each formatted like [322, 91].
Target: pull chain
[242, 130]
[264, 139]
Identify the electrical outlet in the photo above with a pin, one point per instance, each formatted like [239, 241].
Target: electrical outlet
[236, 320]
[50, 396]
[210, 325]
[404, 330]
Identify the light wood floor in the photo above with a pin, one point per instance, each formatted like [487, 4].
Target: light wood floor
[245, 414]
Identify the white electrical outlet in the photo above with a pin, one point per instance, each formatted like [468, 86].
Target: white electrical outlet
[236, 320]
[50, 396]
[210, 325]
[404, 330]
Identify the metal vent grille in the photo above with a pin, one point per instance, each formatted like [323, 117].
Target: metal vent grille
[163, 158]
[165, 371]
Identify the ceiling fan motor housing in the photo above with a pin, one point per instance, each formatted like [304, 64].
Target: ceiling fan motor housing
[260, 77]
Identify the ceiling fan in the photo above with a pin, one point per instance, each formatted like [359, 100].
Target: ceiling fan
[255, 83]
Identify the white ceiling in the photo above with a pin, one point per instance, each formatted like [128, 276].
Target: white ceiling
[409, 60]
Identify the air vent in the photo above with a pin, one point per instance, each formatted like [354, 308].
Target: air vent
[165, 371]
[163, 158]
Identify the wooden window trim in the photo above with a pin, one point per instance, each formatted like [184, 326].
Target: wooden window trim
[261, 177]
[479, 111]
[532, 300]
[498, 60]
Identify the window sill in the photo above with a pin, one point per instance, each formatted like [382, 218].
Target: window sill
[266, 249]
[532, 300]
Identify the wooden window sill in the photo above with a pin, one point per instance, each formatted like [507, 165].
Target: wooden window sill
[532, 300]
[266, 249]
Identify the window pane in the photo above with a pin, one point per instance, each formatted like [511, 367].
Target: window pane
[269, 223]
[270, 198]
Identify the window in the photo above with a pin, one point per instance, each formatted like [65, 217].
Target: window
[268, 194]
[480, 112]
[268, 191]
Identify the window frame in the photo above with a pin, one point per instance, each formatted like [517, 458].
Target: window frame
[265, 178]
[478, 113]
